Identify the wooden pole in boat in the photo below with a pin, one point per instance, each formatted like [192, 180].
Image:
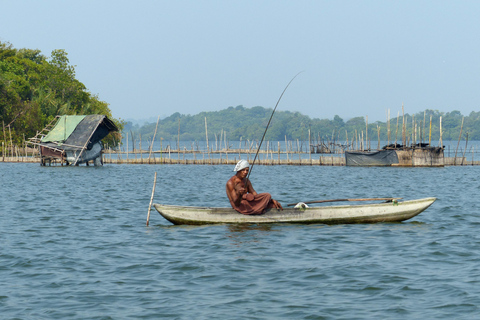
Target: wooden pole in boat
[336, 200]
[260, 144]
[151, 198]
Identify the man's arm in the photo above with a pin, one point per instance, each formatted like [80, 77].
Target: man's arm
[235, 196]
[250, 188]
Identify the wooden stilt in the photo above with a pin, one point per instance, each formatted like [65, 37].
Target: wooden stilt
[151, 198]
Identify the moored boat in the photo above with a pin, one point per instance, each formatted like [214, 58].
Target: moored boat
[392, 211]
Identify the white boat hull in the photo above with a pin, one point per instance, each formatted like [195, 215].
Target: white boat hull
[365, 213]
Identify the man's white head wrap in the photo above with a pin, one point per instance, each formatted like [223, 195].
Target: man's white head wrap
[242, 164]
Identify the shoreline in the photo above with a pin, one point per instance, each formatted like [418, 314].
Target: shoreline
[320, 161]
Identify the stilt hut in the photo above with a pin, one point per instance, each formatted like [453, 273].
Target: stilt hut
[415, 156]
[74, 140]
[371, 158]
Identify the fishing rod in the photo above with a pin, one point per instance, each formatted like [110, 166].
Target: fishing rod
[268, 124]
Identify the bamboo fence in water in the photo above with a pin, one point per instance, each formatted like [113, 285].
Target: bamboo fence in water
[456, 156]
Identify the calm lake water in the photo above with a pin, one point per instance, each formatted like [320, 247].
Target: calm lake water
[75, 246]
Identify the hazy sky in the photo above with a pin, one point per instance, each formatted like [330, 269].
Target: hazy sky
[148, 58]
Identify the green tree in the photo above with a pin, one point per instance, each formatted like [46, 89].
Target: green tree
[35, 89]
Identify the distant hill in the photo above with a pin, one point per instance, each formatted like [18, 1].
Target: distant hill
[249, 123]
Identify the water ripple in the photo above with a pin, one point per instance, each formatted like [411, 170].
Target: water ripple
[78, 247]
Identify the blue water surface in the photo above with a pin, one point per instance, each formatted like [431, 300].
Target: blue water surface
[75, 245]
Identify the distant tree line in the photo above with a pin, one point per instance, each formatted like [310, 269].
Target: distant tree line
[34, 89]
[235, 123]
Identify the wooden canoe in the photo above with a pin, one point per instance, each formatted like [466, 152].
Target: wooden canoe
[394, 211]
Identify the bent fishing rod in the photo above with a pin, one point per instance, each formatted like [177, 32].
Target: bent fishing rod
[268, 124]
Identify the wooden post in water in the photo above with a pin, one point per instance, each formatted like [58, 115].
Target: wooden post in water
[362, 145]
[309, 147]
[466, 143]
[278, 146]
[206, 135]
[127, 147]
[459, 137]
[118, 153]
[141, 155]
[153, 140]
[413, 129]
[286, 147]
[472, 156]
[366, 132]
[225, 145]
[240, 148]
[346, 135]
[430, 133]
[24, 150]
[441, 133]
[11, 142]
[151, 198]
[388, 129]
[396, 132]
[378, 131]
[423, 130]
[299, 153]
[4, 140]
[266, 152]
[404, 129]
[161, 149]
[356, 140]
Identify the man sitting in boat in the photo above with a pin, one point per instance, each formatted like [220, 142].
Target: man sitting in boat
[243, 197]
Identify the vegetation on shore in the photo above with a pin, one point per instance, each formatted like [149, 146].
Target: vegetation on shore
[34, 89]
[249, 123]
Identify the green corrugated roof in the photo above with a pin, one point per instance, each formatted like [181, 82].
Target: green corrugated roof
[63, 129]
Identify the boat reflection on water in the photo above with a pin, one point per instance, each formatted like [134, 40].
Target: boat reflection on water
[249, 227]
[245, 233]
